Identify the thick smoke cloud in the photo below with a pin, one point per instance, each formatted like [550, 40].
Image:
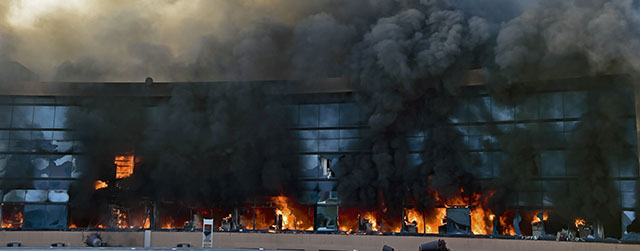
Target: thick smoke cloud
[189, 40]
[394, 65]
[446, 167]
[181, 40]
[208, 145]
[559, 39]
[582, 37]
[522, 146]
[413, 44]
[106, 127]
[317, 54]
[222, 143]
[393, 51]
[594, 157]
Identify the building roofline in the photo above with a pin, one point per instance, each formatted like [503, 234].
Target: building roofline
[164, 89]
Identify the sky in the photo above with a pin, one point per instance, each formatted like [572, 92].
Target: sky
[42, 34]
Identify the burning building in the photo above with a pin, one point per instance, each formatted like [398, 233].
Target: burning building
[425, 117]
[327, 128]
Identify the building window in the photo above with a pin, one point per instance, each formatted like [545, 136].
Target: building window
[325, 166]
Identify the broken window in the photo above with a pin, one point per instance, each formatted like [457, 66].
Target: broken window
[325, 166]
[327, 218]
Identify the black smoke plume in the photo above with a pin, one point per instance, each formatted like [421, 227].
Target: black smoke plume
[568, 39]
[396, 65]
[217, 145]
[106, 127]
[594, 157]
[208, 145]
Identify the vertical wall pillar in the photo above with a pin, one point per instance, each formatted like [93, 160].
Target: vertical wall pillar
[147, 238]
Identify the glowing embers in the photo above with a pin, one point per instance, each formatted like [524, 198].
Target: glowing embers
[99, 184]
[176, 216]
[124, 218]
[12, 216]
[118, 218]
[258, 217]
[167, 225]
[124, 165]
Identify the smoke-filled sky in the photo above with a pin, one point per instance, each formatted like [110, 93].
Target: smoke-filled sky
[128, 40]
[191, 39]
[202, 40]
[118, 38]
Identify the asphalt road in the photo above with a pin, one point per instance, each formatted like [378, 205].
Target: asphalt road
[122, 249]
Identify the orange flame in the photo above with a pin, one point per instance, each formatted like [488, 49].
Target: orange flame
[481, 216]
[347, 224]
[435, 221]
[120, 218]
[294, 216]
[298, 217]
[99, 184]
[412, 216]
[348, 219]
[73, 226]
[166, 225]
[507, 229]
[291, 217]
[481, 222]
[225, 219]
[13, 221]
[372, 219]
[579, 222]
[430, 222]
[535, 219]
[147, 223]
[264, 218]
[124, 165]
